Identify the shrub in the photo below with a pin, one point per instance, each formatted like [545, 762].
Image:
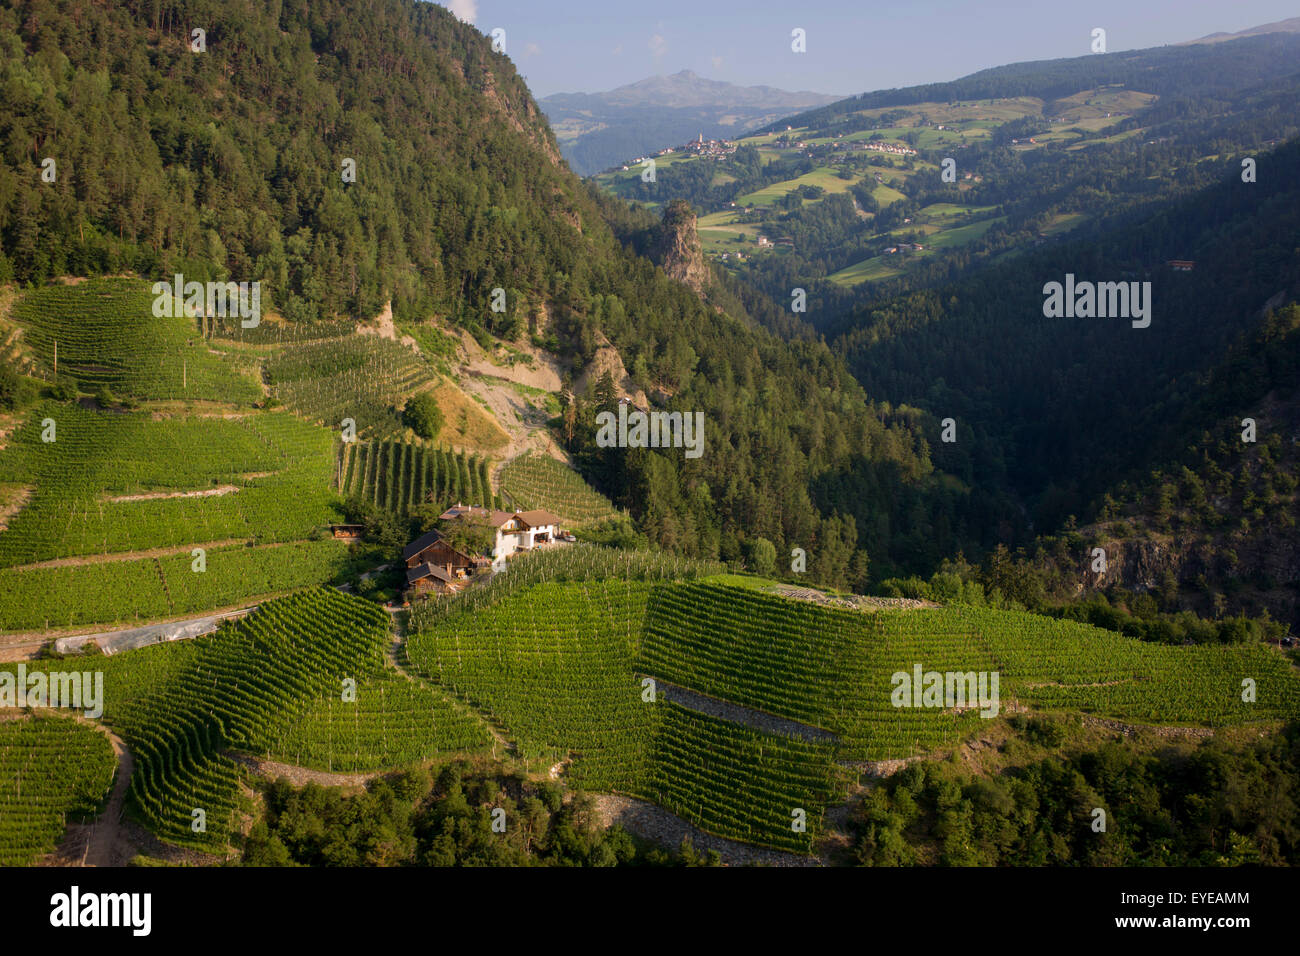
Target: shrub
[423, 415]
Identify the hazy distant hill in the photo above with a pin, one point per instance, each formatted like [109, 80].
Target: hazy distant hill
[597, 130]
[1281, 26]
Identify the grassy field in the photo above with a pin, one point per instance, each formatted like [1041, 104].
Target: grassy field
[823, 177]
[875, 268]
[466, 425]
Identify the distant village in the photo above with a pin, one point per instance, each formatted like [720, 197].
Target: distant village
[713, 148]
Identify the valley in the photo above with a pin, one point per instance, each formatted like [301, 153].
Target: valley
[787, 499]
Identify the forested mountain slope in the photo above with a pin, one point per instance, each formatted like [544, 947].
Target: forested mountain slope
[1211, 70]
[231, 163]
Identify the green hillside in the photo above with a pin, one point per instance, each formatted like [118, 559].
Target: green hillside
[181, 706]
[222, 174]
[560, 666]
[112, 483]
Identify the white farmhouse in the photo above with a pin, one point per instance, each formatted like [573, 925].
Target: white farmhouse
[516, 531]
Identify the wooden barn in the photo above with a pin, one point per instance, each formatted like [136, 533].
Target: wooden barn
[432, 564]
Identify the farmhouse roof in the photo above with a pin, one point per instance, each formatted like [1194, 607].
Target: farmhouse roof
[421, 543]
[494, 517]
[535, 519]
[421, 571]
[427, 541]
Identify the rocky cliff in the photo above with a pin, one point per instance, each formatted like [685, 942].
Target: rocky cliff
[677, 249]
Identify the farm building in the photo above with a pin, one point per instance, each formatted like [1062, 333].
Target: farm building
[515, 531]
[433, 564]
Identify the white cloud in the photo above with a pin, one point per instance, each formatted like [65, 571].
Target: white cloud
[658, 45]
[467, 10]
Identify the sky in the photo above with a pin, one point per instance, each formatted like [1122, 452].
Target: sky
[852, 46]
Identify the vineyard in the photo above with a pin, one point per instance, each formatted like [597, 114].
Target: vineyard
[832, 668]
[583, 562]
[100, 486]
[740, 783]
[362, 377]
[53, 771]
[555, 649]
[131, 592]
[394, 721]
[398, 475]
[555, 664]
[106, 335]
[537, 481]
[180, 706]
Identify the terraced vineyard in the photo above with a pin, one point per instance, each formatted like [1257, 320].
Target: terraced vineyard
[832, 668]
[556, 655]
[393, 721]
[731, 643]
[555, 665]
[112, 483]
[53, 771]
[181, 706]
[398, 475]
[130, 592]
[362, 377]
[102, 332]
[584, 562]
[538, 481]
[740, 783]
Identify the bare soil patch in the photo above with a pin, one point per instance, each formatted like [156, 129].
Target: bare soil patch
[12, 500]
[157, 495]
[651, 822]
[860, 602]
[301, 776]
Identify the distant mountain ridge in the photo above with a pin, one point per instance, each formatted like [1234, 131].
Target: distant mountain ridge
[1230, 64]
[687, 88]
[597, 130]
[1291, 25]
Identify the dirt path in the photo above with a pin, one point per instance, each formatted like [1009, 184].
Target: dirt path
[739, 714]
[79, 560]
[103, 842]
[159, 495]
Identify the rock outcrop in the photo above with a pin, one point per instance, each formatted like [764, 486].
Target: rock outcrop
[677, 247]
